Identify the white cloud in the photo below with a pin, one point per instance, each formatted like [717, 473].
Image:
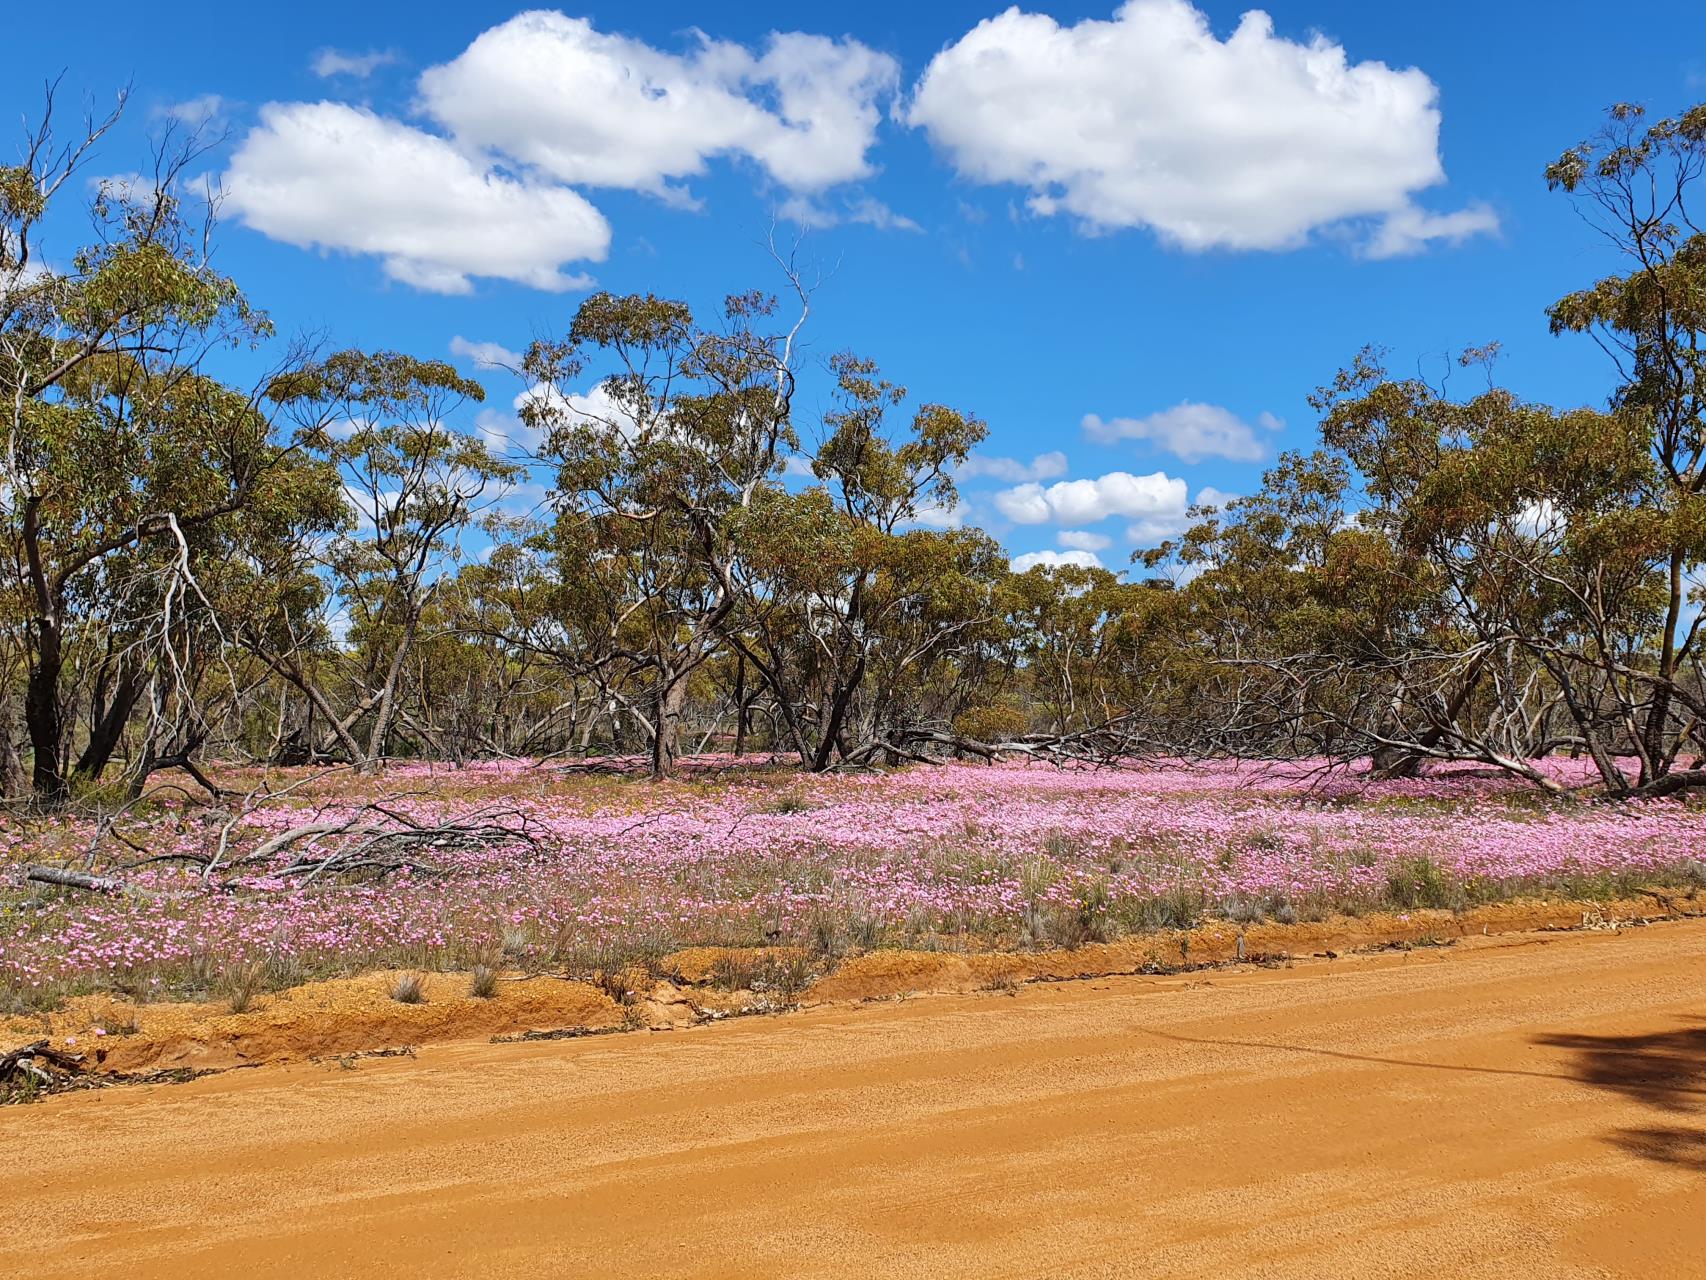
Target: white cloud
[341, 178]
[610, 111]
[1149, 498]
[506, 433]
[1045, 466]
[1083, 540]
[195, 111]
[1540, 519]
[123, 186]
[813, 214]
[527, 498]
[1144, 533]
[1411, 229]
[1209, 496]
[21, 278]
[934, 516]
[1189, 431]
[544, 100]
[369, 505]
[595, 408]
[344, 428]
[330, 62]
[1149, 120]
[1054, 559]
[485, 355]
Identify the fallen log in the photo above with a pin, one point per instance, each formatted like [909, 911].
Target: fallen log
[73, 879]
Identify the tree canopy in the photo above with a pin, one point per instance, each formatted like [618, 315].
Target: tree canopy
[329, 564]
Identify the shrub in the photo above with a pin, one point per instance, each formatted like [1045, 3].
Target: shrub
[788, 976]
[1418, 882]
[736, 969]
[482, 983]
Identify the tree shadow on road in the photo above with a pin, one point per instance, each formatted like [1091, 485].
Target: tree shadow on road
[1665, 1070]
[1685, 1148]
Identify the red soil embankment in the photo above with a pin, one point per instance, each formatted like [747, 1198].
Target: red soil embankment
[355, 1015]
[1529, 1105]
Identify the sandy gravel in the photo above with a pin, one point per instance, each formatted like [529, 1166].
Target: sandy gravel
[1532, 1105]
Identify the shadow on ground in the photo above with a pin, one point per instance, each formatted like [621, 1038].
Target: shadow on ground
[1665, 1070]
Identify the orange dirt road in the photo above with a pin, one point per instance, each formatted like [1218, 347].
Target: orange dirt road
[1510, 1107]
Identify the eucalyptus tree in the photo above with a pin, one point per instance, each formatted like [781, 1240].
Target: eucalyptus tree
[1528, 531]
[687, 427]
[413, 485]
[1638, 184]
[843, 584]
[1067, 624]
[127, 469]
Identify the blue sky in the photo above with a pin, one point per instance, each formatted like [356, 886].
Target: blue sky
[1071, 221]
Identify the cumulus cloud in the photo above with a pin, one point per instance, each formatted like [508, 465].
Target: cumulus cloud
[1083, 540]
[1189, 431]
[122, 186]
[1150, 120]
[526, 498]
[330, 62]
[506, 433]
[21, 278]
[485, 355]
[1208, 497]
[610, 111]
[596, 408]
[487, 181]
[1054, 559]
[1146, 533]
[340, 178]
[1156, 497]
[935, 516]
[1045, 466]
[1540, 519]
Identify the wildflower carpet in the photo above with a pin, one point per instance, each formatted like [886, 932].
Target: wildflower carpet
[593, 875]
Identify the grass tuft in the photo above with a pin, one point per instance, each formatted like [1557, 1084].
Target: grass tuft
[243, 984]
[482, 983]
[409, 989]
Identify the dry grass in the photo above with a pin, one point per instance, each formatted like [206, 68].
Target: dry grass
[409, 989]
[243, 983]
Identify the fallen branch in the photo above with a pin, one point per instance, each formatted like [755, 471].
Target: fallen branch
[73, 879]
[368, 848]
[26, 1060]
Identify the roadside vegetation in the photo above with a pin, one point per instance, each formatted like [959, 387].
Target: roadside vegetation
[530, 869]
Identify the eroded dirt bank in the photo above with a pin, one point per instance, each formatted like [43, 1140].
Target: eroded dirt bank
[1529, 1105]
[357, 1015]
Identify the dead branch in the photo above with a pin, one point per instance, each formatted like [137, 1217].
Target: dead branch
[74, 879]
[26, 1060]
[367, 848]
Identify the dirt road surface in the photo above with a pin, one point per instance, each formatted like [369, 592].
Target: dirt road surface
[1509, 1107]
